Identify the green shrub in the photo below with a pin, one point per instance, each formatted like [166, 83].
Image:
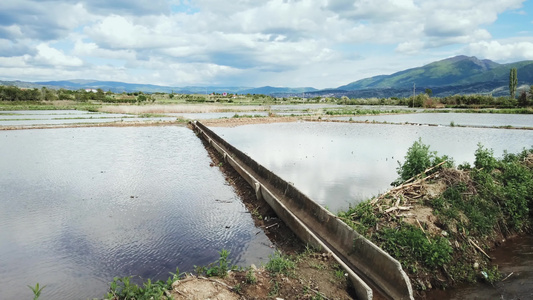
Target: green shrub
[485, 158]
[418, 159]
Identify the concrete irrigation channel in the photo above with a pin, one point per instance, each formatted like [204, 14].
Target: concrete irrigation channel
[373, 272]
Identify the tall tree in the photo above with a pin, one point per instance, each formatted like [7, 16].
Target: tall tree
[513, 82]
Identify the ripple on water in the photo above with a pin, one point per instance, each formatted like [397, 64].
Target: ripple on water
[82, 205]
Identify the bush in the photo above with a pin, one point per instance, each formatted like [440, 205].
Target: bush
[417, 160]
[484, 158]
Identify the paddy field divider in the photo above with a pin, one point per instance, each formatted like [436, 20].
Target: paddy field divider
[370, 269]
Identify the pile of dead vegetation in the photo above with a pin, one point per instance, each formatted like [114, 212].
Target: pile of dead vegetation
[441, 223]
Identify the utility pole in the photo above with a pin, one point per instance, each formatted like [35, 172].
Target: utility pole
[414, 92]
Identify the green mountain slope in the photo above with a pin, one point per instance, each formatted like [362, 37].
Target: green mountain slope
[459, 70]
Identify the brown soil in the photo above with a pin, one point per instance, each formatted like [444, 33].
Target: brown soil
[245, 121]
[314, 273]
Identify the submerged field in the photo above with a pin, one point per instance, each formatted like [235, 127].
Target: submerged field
[317, 144]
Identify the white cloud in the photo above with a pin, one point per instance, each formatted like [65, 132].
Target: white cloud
[245, 41]
[93, 50]
[47, 55]
[14, 62]
[495, 50]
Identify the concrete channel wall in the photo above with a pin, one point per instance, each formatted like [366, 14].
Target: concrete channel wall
[366, 264]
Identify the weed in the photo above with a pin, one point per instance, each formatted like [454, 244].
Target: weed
[409, 242]
[250, 277]
[274, 291]
[317, 296]
[36, 290]
[339, 274]
[256, 214]
[279, 263]
[123, 288]
[222, 268]
[318, 266]
[237, 288]
[364, 214]
[491, 274]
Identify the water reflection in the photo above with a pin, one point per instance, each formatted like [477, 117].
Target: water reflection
[341, 163]
[82, 205]
[57, 117]
[515, 260]
[445, 119]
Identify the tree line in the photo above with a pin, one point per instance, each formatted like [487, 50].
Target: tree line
[13, 93]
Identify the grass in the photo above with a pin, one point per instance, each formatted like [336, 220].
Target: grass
[279, 264]
[250, 277]
[483, 111]
[344, 111]
[34, 105]
[36, 290]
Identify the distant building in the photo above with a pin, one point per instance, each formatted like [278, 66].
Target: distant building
[91, 90]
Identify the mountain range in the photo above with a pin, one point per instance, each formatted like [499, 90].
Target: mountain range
[456, 75]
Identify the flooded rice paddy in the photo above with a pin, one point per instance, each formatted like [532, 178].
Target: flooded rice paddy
[62, 117]
[82, 205]
[451, 119]
[338, 164]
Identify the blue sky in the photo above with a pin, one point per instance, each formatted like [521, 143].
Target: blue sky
[293, 43]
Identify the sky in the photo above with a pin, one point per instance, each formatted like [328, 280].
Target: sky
[252, 43]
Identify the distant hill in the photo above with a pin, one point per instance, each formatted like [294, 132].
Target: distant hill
[456, 75]
[119, 87]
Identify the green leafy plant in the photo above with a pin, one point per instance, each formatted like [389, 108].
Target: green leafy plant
[410, 242]
[124, 289]
[250, 277]
[417, 160]
[279, 263]
[485, 158]
[339, 274]
[274, 291]
[364, 214]
[36, 290]
[219, 268]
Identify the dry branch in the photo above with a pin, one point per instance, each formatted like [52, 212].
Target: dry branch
[479, 248]
[409, 184]
[394, 208]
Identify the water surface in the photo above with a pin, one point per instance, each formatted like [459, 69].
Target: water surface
[446, 119]
[515, 260]
[338, 164]
[82, 205]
